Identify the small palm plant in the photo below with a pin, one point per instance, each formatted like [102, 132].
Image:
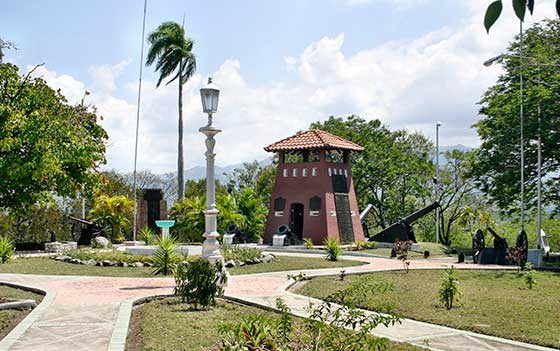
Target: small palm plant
[333, 249]
[147, 235]
[6, 249]
[165, 257]
[308, 243]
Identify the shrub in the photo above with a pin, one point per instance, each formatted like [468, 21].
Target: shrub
[516, 255]
[199, 282]
[6, 249]
[308, 243]
[330, 328]
[449, 290]
[147, 235]
[333, 249]
[401, 248]
[240, 253]
[530, 280]
[165, 257]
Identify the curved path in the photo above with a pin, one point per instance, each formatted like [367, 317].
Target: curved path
[92, 313]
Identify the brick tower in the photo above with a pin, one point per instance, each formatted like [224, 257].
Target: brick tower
[313, 192]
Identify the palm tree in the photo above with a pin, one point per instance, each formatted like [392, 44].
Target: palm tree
[173, 52]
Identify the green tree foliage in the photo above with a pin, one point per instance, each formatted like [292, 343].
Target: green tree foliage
[392, 173]
[171, 51]
[47, 146]
[254, 176]
[520, 7]
[497, 170]
[115, 211]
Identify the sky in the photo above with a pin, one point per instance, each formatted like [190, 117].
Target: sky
[280, 65]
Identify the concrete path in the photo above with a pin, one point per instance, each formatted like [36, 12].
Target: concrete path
[92, 313]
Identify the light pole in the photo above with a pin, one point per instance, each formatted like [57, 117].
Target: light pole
[438, 124]
[211, 247]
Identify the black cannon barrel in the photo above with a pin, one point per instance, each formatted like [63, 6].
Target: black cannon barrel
[494, 234]
[80, 220]
[420, 213]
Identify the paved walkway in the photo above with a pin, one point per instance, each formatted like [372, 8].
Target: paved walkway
[92, 313]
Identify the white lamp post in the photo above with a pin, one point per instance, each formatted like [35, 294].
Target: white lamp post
[211, 247]
[438, 124]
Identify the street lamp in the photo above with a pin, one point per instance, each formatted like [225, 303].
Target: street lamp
[438, 124]
[211, 247]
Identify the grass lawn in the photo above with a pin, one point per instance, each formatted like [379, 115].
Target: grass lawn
[436, 250]
[49, 266]
[10, 318]
[168, 325]
[493, 302]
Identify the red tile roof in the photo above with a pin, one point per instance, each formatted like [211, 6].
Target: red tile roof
[313, 139]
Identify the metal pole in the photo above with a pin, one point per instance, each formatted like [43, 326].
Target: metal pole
[134, 226]
[539, 174]
[437, 181]
[521, 125]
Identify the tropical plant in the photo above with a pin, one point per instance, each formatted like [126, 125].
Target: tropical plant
[6, 249]
[333, 249]
[165, 257]
[253, 211]
[308, 243]
[173, 52]
[449, 290]
[147, 235]
[240, 253]
[115, 211]
[199, 282]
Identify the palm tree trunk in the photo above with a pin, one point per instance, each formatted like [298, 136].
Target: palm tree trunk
[181, 181]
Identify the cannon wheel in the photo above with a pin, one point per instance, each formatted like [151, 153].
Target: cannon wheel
[523, 243]
[477, 244]
[76, 231]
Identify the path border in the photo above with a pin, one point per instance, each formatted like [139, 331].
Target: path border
[9, 340]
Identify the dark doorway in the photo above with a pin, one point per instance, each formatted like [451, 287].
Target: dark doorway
[296, 220]
[153, 198]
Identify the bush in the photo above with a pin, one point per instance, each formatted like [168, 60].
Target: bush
[165, 257]
[333, 249]
[199, 282]
[401, 248]
[308, 243]
[240, 253]
[530, 280]
[147, 235]
[449, 290]
[6, 249]
[330, 328]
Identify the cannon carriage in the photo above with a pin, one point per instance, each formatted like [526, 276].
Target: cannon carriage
[84, 231]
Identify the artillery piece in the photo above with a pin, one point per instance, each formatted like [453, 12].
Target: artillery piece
[402, 230]
[238, 237]
[499, 253]
[83, 231]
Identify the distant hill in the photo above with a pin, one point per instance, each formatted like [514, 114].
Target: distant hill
[444, 149]
[199, 172]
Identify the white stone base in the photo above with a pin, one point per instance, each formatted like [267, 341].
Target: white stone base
[535, 257]
[57, 247]
[279, 240]
[183, 250]
[135, 243]
[228, 239]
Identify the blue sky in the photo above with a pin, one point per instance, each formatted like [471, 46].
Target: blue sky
[281, 65]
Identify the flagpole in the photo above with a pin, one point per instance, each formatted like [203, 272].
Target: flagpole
[134, 230]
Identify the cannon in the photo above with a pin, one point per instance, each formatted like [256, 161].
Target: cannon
[402, 230]
[83, 231]
[489, 255]
[285, 236]
[234, 235]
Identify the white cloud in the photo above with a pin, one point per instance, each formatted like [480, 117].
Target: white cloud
[407, 84]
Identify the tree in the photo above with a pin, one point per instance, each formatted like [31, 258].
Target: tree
[497, 170]
[393, 171]
[520, 7]
[254, 176]
[47, 146]
[5, 45]
[173, 52]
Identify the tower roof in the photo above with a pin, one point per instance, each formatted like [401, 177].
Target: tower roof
[313, 139]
